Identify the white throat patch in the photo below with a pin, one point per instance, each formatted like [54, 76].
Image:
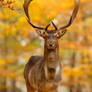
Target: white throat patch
[57, 70]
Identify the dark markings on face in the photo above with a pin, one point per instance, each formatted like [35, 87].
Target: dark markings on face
[51, 40]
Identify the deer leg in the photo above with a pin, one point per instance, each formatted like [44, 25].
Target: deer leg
[29, 88]
[51, 90]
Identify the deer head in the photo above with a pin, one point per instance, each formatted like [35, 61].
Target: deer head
[51, 36]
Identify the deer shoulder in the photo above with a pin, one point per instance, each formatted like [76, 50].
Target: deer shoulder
[32, 61]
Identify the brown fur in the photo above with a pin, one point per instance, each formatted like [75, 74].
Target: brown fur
[43, 73]
[40, 71]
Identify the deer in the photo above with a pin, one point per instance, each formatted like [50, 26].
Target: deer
[44, 73]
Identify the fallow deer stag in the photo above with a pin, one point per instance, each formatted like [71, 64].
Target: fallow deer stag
[43, 73]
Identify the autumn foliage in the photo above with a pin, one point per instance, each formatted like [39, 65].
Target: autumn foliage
[19, 41]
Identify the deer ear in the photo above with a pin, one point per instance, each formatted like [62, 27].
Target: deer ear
[42, 33]
[60, 33]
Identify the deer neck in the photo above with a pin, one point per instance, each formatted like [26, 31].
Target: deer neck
[51, 54]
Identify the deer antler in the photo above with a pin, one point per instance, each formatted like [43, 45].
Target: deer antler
[47, 27]
[54, 25]
[26, 4]
[75, 11]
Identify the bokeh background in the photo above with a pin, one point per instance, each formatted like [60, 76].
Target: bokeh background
[19, 41]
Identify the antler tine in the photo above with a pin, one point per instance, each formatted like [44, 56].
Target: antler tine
[54, 25]
[47, 27]
[75, 11]
[26, 4]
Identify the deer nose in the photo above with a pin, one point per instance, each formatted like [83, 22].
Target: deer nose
[51, 43]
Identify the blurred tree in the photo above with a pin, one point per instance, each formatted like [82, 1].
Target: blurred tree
[18, 41]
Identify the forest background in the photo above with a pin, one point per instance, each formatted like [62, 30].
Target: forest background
[19, 41]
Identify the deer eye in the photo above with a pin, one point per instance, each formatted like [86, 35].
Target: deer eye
[46, 34]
